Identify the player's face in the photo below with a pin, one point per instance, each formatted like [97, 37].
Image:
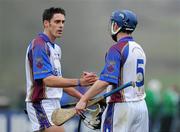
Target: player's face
[56, 25]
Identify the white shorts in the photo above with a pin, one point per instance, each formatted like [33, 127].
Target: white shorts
[125, 117]
[40, 113]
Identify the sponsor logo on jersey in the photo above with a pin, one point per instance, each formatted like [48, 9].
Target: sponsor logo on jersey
[110, 67]
[39, 63]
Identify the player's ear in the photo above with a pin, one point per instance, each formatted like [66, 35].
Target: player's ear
[46, 23]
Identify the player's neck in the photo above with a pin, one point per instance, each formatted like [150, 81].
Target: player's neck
[51, 37]
[122, 35]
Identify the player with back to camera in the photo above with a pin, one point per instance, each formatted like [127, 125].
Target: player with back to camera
[45, 83]
[125, 61]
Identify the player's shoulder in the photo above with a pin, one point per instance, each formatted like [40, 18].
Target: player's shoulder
[134, 44]
[113, 47]
[118, 47]
[38, 41]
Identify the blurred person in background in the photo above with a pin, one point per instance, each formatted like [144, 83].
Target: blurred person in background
[45, 83]
[153, 100]
[178, 117]
[169, 109]
[125, 61]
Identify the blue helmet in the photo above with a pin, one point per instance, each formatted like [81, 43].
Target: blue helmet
[125, 19]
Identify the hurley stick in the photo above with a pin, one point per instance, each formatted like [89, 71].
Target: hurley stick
[60, 116]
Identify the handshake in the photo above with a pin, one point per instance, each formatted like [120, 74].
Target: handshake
[87, 79]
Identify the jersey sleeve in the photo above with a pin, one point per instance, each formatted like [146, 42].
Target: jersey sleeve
[111, 70]
[41, 66]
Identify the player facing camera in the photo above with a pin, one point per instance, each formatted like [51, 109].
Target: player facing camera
[122, 21]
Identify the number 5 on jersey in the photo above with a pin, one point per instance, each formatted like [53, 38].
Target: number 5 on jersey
[140, 73]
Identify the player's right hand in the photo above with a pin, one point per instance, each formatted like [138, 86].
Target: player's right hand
[85, 73]
[80, 106]
[88, 78]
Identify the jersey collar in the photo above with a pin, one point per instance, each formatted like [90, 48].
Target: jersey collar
[126, 39]
[46, 38]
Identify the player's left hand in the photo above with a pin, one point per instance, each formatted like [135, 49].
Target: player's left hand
[80, 106]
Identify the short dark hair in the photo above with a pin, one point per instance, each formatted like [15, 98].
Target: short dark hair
[48, 13]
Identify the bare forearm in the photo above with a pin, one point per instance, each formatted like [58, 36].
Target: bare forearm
[97, 88]
[54, 81]
[73, 92]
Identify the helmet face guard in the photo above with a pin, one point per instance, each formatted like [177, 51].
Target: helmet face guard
[114, 32]
[112, 28]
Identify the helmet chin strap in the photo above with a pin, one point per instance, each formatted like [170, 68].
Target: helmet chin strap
[114, 33]
[114, 37]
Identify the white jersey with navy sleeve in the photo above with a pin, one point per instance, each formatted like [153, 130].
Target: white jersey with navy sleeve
[42, 60]
[126, 110]
[125, 61]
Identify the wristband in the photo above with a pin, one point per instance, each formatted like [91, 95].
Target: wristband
[79, 83]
